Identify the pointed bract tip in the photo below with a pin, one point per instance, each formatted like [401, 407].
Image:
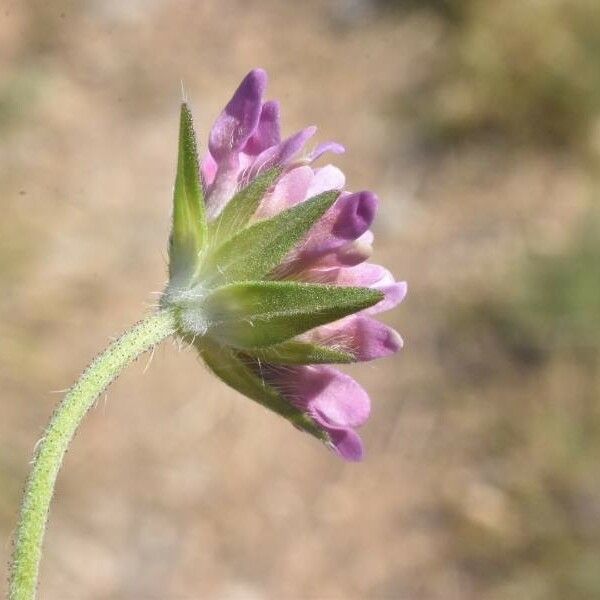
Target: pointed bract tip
[184, 97]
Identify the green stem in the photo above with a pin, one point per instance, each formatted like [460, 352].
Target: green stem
[52, 447]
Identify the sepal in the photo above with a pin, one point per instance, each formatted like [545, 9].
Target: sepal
[189, 231]
[255, 251]
[240, 209]
[295, 352]
[240, 373]
[262, 313]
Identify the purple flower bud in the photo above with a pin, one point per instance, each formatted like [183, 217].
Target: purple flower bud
[240, 117]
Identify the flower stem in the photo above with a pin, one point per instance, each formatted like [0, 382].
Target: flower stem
[51, 449]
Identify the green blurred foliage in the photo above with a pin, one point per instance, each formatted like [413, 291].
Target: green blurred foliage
[554, 307]
[452, 10]
[539, 448]
[560, 303]
[526, 69]
[17, 94]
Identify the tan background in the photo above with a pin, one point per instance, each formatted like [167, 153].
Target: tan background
[477, 127]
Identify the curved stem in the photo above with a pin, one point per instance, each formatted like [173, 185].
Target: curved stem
[52, 447]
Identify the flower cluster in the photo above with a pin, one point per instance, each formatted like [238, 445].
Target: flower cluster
[268, 271]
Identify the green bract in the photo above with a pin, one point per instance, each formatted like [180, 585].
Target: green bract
[255, 251]
[230, 366]
[189, 232]
[239, 210]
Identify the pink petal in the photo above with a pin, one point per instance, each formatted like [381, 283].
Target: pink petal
[350, 255]
[366, 238]
[394, 294]
[347, 443]
[365, 338]
[362, 275]
[289, 191]
[208, 169]
[327, 178]
[345, 255]
[331, 397]
[239, 119]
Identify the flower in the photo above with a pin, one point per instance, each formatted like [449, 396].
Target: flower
[268, 272]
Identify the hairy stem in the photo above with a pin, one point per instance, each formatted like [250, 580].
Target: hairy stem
[51, 449]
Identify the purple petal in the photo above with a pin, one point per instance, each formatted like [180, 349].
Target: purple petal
[345, 255]
[355, 213]
[337, 239]
[283, 152]
[394, 294]
[331, 397]
[347, 443]
[365, 338]
[239, 119]
[267, 133]
[321, 149]
[311, 266]
[292, 145]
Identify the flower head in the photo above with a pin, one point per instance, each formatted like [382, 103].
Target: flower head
[268, 272]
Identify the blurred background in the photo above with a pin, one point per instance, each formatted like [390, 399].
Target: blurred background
[478, 124]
